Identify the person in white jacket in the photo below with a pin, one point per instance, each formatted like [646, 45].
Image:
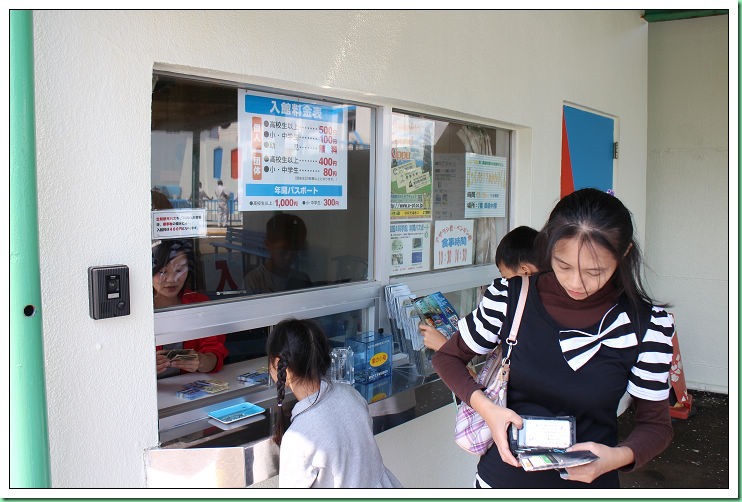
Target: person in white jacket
[329, 442]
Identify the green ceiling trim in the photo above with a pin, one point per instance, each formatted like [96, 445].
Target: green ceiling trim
[656, 15]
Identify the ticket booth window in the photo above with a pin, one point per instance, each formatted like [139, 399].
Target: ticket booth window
[270, 189]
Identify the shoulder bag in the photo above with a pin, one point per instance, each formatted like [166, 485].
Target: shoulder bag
[471, 432]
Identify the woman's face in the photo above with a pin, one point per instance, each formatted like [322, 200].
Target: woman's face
[170, 279]
[580, 268]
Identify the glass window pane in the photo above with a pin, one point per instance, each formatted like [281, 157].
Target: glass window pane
[198, 161]
[449, 208]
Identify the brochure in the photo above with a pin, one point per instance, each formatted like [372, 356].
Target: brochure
[436, 311]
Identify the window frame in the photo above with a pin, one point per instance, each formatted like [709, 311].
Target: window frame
[183, 323]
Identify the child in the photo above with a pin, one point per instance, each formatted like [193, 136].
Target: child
[285, 238]
[515, 255]
[330, 442]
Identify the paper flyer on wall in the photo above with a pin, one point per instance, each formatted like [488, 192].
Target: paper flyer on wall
[412, 167]
[486, 186]
[453, 243]
[293, 153]
[410, 247]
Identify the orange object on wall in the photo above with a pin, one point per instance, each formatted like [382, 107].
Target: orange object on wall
[682, 407]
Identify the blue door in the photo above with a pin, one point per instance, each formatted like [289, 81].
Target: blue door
[587, 151]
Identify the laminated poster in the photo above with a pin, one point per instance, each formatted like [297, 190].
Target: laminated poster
[412, 167]
[410, 244]
[486, 186]
[293, 153]
[453, 243]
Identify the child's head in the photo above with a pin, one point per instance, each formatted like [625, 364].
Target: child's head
[516, 254]
[588, 241]
[286, 229]
[298, 354]
[285, 236]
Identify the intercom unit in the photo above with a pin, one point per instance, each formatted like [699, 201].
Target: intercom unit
[108, 291]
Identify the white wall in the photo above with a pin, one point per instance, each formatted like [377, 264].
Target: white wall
[687, 190]
[93, 85]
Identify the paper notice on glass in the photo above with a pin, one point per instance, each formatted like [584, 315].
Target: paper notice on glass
[293, 153]
[410, 247]
[486, 186]
[178, 223]
[453, 243]
[448, 178]
[412, 167]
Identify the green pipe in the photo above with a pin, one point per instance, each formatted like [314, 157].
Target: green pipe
[29, 442]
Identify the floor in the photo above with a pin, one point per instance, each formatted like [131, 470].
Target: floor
[699, 454]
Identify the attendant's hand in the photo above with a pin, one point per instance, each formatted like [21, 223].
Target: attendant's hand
[610, 459]
[189, 365]
[161, 361]
[432, 338]
[498, 420]
[205, 362]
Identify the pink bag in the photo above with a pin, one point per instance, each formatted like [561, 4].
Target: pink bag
[471, 432]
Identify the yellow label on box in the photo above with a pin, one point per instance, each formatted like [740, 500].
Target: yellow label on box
[378, 397]
[379, 359]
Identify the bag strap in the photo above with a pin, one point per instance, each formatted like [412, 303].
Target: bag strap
[515, 326]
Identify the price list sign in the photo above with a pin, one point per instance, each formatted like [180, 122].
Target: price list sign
[292, 153]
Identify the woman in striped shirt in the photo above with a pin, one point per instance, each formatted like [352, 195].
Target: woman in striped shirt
[589, 333]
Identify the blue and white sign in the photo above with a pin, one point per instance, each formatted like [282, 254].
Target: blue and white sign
[293, 153]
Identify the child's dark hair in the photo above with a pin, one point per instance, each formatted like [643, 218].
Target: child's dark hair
[598, 218]
[517, 247]
[288, 228]
[302, 347]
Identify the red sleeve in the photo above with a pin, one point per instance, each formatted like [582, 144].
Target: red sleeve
[213, 344]
[450, 364]
[652, 431]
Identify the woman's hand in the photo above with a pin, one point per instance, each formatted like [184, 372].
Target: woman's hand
[189, 365]
[498, 420]
[432, 338]
[609, 459]
[161, 361]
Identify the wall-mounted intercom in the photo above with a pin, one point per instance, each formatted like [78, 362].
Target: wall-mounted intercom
[108, 290]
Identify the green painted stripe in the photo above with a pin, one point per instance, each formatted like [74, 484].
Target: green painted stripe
[29, 443]
[653, 16]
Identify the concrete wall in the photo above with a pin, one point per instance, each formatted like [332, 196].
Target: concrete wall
[687, 243]
[93, 86]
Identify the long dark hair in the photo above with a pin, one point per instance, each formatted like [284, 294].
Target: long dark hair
[302, 347]
[597, 218]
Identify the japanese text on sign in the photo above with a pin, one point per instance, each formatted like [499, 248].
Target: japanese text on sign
[178, 223]
[291, 149]
[453, 243]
